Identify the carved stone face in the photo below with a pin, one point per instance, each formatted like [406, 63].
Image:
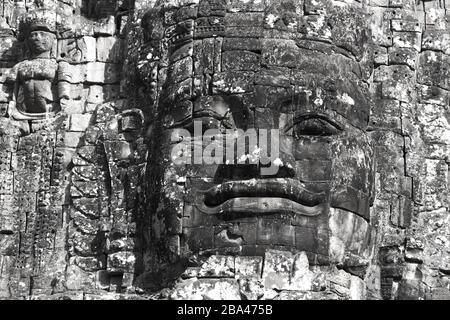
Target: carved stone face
[257, 72]
[40, 41]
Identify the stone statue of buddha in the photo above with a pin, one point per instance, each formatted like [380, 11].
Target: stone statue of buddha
[298, 82]
[40, 85]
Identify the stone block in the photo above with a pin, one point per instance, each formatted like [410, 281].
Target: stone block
[436, 40]
[5, 93]
[401, 91]
[406, 56]
[8, 49]
[302, 277]
[80, 189]
[246, 44]
[199, 238]
[180, 70]
[99, 72]
[251, 288]
[73, 107]
[77, 279]
[106, 27]
[185, 13]
[233, 83]
[3, 109]
[72, 73]
[386, 114]
[434, 69]
[246, 6]
[95, 94]
[203, 56]
[281, 53]
[7, 220]
[407, 40]
[86, 245]
[110, 49]
[248, 266]
[212, 8]
[123, 244]
[118, 150]
[306, 239]
[83, 223]
[379, 3]
[406, 25]
[277, 269]
[89, 207]
[240, 61]
[380, 56]
[90, 264]
[180, 91]
[440, 294]
[218, 267]
[121, 262]
[6, 182]
[209, 28]
[79, 122]
[78, 50]
[397, 73]
[206, 289]
[274, 77]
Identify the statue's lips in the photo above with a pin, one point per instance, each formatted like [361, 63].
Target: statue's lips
[261, 197]
[290, 189]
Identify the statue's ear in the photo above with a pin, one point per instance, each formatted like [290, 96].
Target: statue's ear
[131, 120]
[153, 25]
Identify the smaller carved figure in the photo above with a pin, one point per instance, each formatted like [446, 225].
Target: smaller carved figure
[40, 84]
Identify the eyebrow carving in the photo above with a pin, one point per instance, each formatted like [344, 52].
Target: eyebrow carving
[205, 113]
[315, 116]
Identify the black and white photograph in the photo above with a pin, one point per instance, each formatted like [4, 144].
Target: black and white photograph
[249, 151]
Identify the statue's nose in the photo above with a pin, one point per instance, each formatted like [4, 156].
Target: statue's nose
[235, 172]
[259, 165]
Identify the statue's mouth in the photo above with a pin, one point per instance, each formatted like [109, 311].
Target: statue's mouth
[262, 197]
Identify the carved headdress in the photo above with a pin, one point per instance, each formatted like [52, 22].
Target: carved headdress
[37, 21]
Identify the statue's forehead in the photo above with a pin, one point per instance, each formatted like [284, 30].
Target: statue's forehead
[345, 27]
[260, 52]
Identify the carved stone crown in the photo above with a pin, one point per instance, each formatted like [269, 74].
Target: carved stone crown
[37, 22]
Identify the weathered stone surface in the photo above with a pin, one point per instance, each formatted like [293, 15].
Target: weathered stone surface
[90, 193]
[302, 277]
[436, 40]
[199, 289]
[251, 288]
[77, 50]
[433, 69]
[110, 49]
[277, 269]
[121, 262]
[99, 72]
[248, 266]
[300, 295]
[218, 266]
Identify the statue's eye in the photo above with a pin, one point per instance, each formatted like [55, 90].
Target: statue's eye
[315, 125]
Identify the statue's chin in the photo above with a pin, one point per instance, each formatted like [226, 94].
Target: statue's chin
[242, 207]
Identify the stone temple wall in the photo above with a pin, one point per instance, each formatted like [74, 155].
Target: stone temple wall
[73, 206]
[60, 198]
[411, 130]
